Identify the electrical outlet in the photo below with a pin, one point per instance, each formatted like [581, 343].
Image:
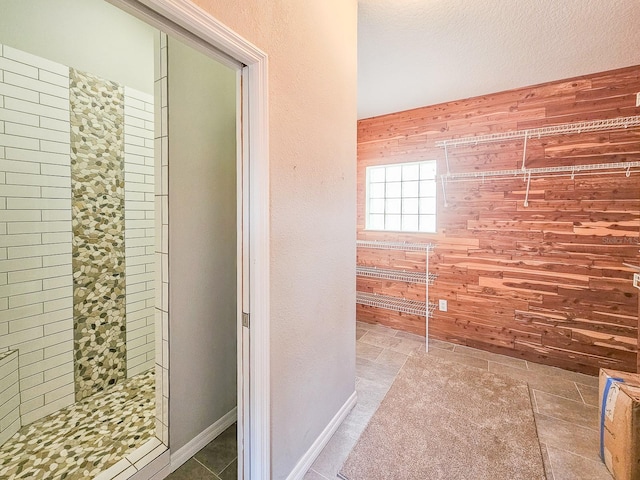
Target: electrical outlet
[638, 99]
[442, 305]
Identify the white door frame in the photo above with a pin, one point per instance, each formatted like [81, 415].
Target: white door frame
[183, 18]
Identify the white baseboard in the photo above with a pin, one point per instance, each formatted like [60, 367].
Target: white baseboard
[179, 457]
[304, 464]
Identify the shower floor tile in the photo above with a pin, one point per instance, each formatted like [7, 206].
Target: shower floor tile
[82, 440]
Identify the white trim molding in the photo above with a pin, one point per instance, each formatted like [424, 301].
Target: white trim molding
[201, 30]
[304, 464]
[181, 456]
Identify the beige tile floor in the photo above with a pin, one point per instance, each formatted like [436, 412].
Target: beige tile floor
[565, 403]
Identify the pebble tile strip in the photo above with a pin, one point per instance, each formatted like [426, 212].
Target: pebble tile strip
[82, 440]
[97, 181]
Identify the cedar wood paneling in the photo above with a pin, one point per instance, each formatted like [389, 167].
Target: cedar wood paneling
[545, 282]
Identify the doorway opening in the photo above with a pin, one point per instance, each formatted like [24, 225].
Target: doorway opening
[154, 458]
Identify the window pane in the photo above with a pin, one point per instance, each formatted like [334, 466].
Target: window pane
[428, 205]
[394, 173]
[376, 222]
[410, 172]
[393, 206]
[410, 205]
[376, 206]
[427, 170]
[427, 223]
[392, 222]
[376, 190]
[410, 223]
[427, 188]
[393, 190]
[376, 174]
[410, 189]
[402, 197]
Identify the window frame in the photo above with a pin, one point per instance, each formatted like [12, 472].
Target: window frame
[402, 185]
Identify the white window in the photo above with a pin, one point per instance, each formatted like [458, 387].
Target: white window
[402, 197]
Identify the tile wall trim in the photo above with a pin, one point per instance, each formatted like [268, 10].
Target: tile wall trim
[161, 152]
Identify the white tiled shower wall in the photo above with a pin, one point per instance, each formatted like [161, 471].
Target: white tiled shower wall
[140, 235]
[36, 286]
[36, 296]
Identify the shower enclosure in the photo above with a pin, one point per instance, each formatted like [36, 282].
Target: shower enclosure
[77, 262]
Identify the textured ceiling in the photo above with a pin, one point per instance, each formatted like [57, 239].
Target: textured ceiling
[413, 53]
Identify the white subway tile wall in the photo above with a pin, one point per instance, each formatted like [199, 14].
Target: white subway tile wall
[139, 229]
[36, 287]
[36, 303]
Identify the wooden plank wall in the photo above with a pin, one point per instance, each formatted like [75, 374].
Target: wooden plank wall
[544, 282]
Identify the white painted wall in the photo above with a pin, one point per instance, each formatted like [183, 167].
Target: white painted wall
[312, 137]
[89, 35]
[202, 242]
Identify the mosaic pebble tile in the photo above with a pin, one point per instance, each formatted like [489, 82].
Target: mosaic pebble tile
[82, 440]
[97, 181]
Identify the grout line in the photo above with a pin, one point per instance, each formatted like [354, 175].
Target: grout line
[535, 399]
[565, 398]
[553, 476]
[579, 393]
[206, 468]
[363, 336]
[581, 383]
[572, 453]
[568, 422]
[402, 366]
[228, 464]
[375, 360]
[511, 365]
[318, 473]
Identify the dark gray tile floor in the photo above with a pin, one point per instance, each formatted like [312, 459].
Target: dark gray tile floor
[217, 461]
[564, 403]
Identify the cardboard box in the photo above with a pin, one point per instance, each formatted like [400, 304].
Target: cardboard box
[620, 423]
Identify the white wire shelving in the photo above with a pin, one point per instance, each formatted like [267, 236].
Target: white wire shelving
[563, 129]
[569, 169]
[525, 135]
[396, 275]
[541, 172]
[383, 245]
[412, 307]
